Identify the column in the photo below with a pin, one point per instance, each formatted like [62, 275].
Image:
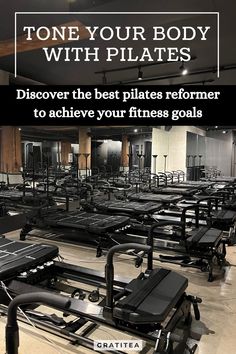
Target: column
[84, 148]
[4, 78]
[160, 147]
[11, 158]
[178, 148]
[65, 151]
[124, 154]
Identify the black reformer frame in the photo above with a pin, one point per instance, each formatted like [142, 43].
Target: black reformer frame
[196, 249]
[153, 306]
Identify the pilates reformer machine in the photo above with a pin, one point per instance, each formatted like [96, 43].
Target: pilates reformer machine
[153, 307]
[187, 244]
[223, 215]
[16, 199]
[14, 206]
[35, 191]
[197, 247]
[218, 215]
[218, 211]
[111, 223]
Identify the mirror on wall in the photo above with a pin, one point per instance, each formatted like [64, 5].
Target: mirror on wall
[192, 149]
[195, 156]
[201, 150]
[206, 154]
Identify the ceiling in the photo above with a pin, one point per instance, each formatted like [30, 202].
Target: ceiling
[32, 63]
[71, 133]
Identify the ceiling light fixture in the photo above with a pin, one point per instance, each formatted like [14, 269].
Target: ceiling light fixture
[184, 71]
[140, 73]
[139, 67]
[104, 78]
[130, 67]
[135, 130]
[208, 70]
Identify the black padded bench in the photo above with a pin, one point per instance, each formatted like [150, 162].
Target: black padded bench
[17, 257]
[90, 222]
[13, 195]
[152, 197]
[151, 299]
[204, 237]
[189, 191]
[223, 217]
[17, 199]
[192, 184]
[230, 205]
[155, 300]
[129, 207]
[223, 179]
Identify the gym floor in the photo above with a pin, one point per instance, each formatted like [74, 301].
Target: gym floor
[217, 326]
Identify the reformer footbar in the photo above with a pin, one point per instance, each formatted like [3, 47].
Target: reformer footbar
[153, 306]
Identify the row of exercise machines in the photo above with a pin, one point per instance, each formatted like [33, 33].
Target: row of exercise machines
[154, 306]
[196, 225]
[105, 222]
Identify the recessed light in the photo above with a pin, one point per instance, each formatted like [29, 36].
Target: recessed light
[135, 130]
[183, 69]
[104, 79]
[185, 72]
[140, 74]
